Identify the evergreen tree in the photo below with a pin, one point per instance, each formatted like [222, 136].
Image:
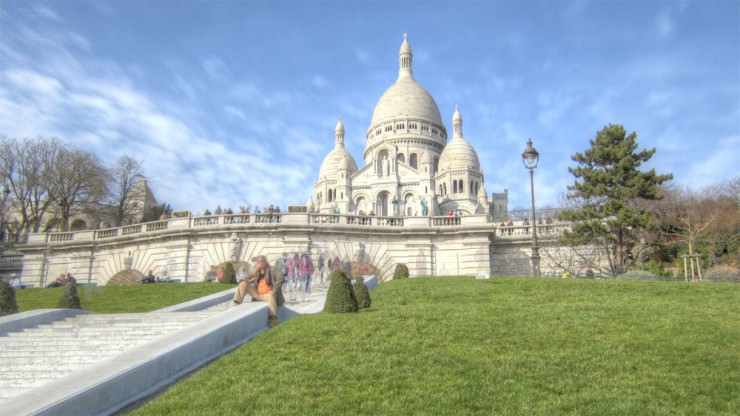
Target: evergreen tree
[401, 271]
[8, 304]
[362, 294]
[341, 297]
[70, 299]
[607, 189]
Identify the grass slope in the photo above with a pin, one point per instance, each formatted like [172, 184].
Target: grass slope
[456, 346]
[119, 299]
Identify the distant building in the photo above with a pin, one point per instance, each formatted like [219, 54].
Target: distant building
[409, 163]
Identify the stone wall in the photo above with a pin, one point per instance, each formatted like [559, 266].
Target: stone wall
[186, 247]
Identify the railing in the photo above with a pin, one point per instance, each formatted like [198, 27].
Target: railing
[105, 233]
[156, 226]
[59, 237]
[514, 231]
[361, 220]
[131, 229]
[11, 259]
[448, 220]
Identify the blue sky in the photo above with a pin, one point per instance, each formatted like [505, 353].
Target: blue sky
[234, 102]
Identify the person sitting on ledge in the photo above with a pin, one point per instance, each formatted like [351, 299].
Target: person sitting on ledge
[61, 281]
[269, 288]
[148, 278]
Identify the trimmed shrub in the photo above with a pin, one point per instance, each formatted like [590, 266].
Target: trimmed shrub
[229, 273]
[341, 297]
[401, 272]
[8, 304]
[361, 293]
[70, 299]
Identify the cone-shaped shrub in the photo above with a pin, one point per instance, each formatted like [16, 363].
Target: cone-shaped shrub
[401, 272]
[341, 297]
[361, 293]
[8, 304]
[70, 299]
[229, 273]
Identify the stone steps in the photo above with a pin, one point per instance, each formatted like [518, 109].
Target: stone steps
[104, 358]
[36, 356]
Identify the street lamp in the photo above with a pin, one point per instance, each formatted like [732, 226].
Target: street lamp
[530, 157]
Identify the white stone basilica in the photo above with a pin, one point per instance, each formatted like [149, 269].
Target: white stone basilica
[410, 167]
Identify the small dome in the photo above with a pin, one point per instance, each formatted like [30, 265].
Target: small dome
[338, 158]
[459, 155]
[309, 205]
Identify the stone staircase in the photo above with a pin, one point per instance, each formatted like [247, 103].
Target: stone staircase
[47, 352]
[64, 362]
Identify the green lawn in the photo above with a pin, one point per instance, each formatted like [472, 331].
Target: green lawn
[119, 299]
[456, 346]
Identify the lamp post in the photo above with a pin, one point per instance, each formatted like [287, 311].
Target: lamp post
[530, 157]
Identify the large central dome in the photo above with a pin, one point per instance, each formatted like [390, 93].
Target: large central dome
[406, 98]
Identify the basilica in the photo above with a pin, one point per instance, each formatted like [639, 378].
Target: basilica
[410, 167]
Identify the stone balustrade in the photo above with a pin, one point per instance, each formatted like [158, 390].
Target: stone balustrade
[515, 231]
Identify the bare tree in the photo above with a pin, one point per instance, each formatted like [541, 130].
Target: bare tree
[23, 166]
[77, 182]
[126, 175]
[686, 216]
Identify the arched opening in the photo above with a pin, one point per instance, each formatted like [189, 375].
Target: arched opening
[409, 202]
[382, 204]
[362, 206]
[413, 162]
[78, 225]
[401, 158]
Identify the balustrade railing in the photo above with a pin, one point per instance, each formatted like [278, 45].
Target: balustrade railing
[156, 226]
[514, 231]
[131, 229]
[105, 233]
[11, 259]
[59, 237]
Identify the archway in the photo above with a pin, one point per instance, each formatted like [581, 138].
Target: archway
[382, 207]
[362, 205]
[78, 225]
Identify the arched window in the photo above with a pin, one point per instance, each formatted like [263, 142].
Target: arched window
[401, 158]
[454, 187]
[413, 160]
[436, 164]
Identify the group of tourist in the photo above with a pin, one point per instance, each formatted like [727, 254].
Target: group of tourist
[163, 277]
[265, 283]
[62, 280]
[272, 209]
